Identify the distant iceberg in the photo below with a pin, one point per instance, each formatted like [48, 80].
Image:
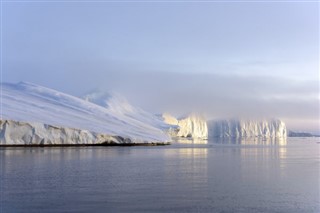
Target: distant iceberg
[191, 126]
[236, 128]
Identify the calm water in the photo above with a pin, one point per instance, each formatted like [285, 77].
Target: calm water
[220, 176]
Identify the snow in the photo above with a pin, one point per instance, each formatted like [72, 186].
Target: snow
[32, 103]
[247, 128]
[119, 105]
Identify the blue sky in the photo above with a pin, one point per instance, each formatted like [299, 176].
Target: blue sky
[79, 46]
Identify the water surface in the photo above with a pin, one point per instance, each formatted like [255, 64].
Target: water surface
[198, 176]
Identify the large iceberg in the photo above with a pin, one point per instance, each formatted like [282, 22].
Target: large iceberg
[35, 114]
[236, 128]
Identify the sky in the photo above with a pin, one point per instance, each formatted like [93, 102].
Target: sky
[225, 59]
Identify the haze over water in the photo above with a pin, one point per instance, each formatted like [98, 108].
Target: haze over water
[184, 177]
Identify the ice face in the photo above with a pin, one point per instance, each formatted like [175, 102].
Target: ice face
[247, 128]
[31, 133]
[191, 126]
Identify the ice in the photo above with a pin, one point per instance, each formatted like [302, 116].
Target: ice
[31, 103]
[247, 128]
[191, 126]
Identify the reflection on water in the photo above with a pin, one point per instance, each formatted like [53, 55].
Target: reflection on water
[231, 140]
[192, 176]
[255, 158]
[250, 141]
[193, 152]
[190, 140]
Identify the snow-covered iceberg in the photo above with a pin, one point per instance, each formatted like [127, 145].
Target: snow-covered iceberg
[192, 126]
[247, 128]
[36, 114]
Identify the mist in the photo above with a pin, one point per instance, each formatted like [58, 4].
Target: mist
[222, 96]
[213, 95]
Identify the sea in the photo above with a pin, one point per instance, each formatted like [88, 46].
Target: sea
[215, 175]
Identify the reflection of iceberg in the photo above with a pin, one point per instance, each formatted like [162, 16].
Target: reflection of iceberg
[187, 166]
[250, 141]
[193, 153]
[190, 140]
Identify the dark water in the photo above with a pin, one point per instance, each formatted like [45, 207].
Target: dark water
[185, 177]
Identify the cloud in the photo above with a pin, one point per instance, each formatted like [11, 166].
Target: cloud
[221, 95]
[216, 95]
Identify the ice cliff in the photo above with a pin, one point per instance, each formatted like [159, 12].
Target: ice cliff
[31, 113]
[247, 128]
[191, 126]
[31, 133]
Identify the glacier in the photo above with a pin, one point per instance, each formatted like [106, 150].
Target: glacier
[239, 128]
[36, 114]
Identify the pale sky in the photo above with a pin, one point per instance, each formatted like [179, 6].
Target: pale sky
[227, 59]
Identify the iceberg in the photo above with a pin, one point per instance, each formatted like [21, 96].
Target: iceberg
[33, 114]
[36, 115]
[236, 128]
[194, 126]
[191, 126]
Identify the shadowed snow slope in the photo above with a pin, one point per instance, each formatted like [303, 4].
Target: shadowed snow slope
[36, 104]
[118, 105]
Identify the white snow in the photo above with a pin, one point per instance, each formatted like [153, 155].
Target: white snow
[36, 104]
[119, 105]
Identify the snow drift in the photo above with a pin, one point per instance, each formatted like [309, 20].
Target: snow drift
[32, 111]
[118, 105]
